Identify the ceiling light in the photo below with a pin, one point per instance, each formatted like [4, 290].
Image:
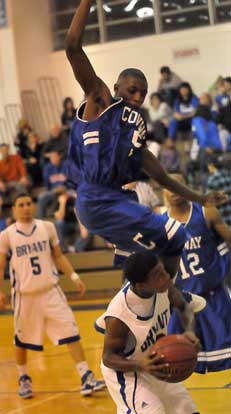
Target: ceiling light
[144, 12]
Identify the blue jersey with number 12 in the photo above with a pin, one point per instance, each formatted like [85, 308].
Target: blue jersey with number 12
[205, 259]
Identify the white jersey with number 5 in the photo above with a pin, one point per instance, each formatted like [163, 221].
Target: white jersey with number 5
[31, 265]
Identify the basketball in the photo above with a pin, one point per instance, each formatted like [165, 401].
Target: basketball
[179, 353]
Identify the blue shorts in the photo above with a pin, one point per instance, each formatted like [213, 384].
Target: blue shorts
[213, 328]
[130, 226]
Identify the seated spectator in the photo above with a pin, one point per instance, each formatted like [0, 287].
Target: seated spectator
[33, 159]
[204, 127]
[13, 175]
[184, 109]
[55, 181]
[21, 139]
[169, 156]
[58, 141]
[222, 98]
[159, 114]
[68, 115]
[220, 179]
[168, 85]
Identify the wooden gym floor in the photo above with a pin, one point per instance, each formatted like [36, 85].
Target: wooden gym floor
[56, 384]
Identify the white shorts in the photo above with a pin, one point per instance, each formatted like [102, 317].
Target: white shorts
[141, 393]
[46, 312]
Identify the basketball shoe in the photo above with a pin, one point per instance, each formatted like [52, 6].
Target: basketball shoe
[25, 386]
[91, 384]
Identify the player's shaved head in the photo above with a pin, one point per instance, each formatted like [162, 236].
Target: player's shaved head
[132, 72]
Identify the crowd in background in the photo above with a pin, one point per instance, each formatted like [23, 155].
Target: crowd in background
[188, 133]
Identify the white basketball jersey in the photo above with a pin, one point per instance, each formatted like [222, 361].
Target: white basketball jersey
[31, 265]
[144, 330]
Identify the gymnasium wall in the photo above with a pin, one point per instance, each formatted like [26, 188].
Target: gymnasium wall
[198, 55]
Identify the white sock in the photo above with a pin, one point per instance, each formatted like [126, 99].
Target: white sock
[82, 368]
[22, 369]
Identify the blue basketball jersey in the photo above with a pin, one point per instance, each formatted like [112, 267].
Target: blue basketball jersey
[105, 154]
[107, 151]
[205, 258]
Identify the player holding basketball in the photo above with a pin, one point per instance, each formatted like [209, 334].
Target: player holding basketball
[205, 263]
[135, 318]
[107, 150]
[39, 303]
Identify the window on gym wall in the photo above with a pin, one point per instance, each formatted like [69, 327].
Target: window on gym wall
[122, 19]
[62, 12]
[223, 10]
[183, 14]
[128, 18]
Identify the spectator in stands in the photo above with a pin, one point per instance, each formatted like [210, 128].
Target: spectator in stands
[159, 114]
[21, 139]
[58, 141]
[13, 175]
[33, 159]
[168, 85]
[68, 227]
[169, 156]
[185, 106]
[223, 97]
[65, 219]
[55, 181]
[204, 127]
[220, 178]
[68, 115]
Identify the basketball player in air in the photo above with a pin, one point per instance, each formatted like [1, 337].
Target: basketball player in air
[205, 262]
[107, 150]
[135, 318]
[39, 303]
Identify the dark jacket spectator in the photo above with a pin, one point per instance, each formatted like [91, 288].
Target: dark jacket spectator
[33, 159]
[68, 115]
[21, 139]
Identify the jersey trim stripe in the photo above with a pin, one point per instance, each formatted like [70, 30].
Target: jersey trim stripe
[134, 393]
[214, 355]
[173, 230]
[90, 134]
[91, 141]
[27, 235]
[121, 381]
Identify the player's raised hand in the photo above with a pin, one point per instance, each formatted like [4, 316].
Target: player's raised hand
[2, 300]
[214, 198]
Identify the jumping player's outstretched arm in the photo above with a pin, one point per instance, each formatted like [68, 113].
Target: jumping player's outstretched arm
[95, 89]
[178, 302]
[155, 170]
